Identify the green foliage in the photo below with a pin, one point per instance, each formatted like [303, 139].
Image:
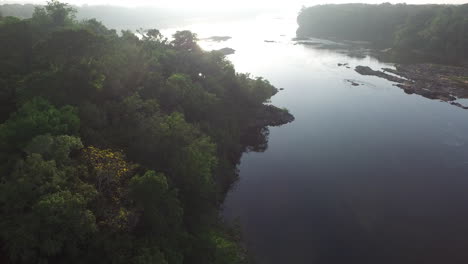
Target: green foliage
[434, 31]
[54, 210]
[149, 256]
[43, 218]
[161, 211]
[54, 14]
[53, 148]
[115, 148]
[227, 251]
[182, 95]
[185, 40]
[256, 90]
[36, 117]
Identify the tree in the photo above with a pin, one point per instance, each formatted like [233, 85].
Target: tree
[54, 148]
[60, 12]
[55, 14]
[36, 117]
[161, 215]
[109, 173]
[433, 31]
[182, 95]
[116, 148]
[185, 40]
[43, 218]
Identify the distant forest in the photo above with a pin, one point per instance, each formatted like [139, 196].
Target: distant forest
[122, 18]
[116, 148]
[431, 31]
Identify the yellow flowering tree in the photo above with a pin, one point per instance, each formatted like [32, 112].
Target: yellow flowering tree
[109, 172]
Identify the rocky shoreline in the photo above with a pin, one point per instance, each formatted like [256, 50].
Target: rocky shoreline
[365, 70]
[433, 81]
[354, 49]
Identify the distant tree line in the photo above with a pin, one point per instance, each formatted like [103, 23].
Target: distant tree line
[439, 31]
[133, 18]
[116, 148]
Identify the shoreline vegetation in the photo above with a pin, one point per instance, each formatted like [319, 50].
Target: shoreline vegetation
[401, 32]
[428, 43]
[118, 148]
[441, 82]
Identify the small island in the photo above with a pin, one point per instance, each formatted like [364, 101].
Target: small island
[226, 51]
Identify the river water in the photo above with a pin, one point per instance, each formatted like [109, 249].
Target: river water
[365, 174]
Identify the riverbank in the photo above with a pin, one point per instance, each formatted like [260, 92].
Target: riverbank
[433, 81]
[270, 115]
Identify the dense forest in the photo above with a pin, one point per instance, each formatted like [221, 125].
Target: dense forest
[431, 31]
[117, 147]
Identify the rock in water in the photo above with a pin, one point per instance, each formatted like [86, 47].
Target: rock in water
[364, 70]
[433, 81]
[227, 51]
[218, 38]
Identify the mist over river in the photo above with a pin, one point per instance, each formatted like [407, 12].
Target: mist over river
[365, 174]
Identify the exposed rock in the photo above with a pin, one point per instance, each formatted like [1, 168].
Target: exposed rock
[342, 64]
[365, 70]
[390, 71]
[459, 105]
[300, 38]
[445, 83]
[353, 49]
[308, 43]
[327, 45]
[353, 83]
[281, 89]
[269, 41]
[218, 38]
[433, 81]
[227, 51]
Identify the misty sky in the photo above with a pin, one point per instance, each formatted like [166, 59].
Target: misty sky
[209, 4]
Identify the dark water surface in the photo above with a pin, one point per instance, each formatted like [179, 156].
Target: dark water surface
[365, 174]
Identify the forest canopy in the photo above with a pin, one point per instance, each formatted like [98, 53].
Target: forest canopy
[439, 31]
[116, 148]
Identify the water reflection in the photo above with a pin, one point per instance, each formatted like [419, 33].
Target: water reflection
[365, 174]
[255, 139]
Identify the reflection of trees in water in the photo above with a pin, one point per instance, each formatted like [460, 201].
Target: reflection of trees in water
[255, 139]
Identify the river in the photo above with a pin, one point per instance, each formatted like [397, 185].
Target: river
[365, 174]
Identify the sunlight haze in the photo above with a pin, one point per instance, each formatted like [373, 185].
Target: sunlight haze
[234, 132]
[213, 4]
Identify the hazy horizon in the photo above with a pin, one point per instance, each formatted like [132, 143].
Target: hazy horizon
[213, 4]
